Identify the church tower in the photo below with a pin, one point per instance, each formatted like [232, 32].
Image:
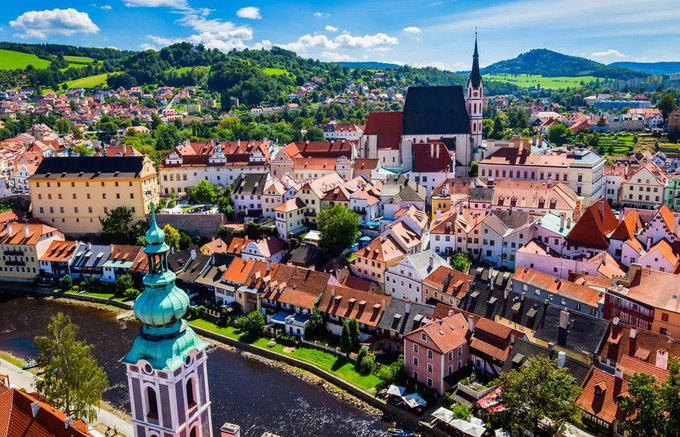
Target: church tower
[475, 98]
[166, 367]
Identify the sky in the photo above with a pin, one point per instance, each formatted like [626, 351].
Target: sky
[436, 33]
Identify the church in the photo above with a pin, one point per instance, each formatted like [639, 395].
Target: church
[450, 115]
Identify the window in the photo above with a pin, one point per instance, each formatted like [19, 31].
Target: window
[191, 400]
[429, 382]
[429, 368]
[664, 317]
[460, 350]
[423, 336]
[152, 403]
[429, 354]
[415, 361]
[415, 347]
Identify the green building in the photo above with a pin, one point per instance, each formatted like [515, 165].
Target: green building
[672, 193]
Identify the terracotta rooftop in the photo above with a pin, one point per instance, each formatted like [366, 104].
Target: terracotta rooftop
[59, 251]
[447, 333]
[348, 303]
[449, 281]
[600, 395]
[554, 285]
[594, 227]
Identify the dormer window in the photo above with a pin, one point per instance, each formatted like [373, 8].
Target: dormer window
[423, 336]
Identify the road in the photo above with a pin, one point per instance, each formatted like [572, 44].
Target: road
[26, 380]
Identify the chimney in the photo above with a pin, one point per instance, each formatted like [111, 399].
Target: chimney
[9, 230]
[615, 321]
[471, 323]
[675, 226]
[662, 359]
[551, 346]
[439, 214]
[437, 150]
[407, 306]
[269, 265]
[89, 246]
[384, 304]
[618, 373]
[230, 430]
[450, 313]
[568, 222]
[431, 262]
[193, 254]
[649, 243]
[432, 150]
[26, 231]
[562, 221]
[35, 407]
[561, 359]
[564, 319]
[517, 141]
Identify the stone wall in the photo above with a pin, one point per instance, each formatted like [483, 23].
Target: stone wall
[204, 225]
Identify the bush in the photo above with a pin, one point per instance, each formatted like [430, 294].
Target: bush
[131, 293]
[365, 363]
[123, 283]
[395, 373]
[462, 412]
[252, 323]
[65, 282]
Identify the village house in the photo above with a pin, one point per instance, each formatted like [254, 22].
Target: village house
[89, 260]
[290, 218]
[120, 261]
[246, 195]
[502, 234]
[340, 304]
[644, 188]
[56, 260]
[278, 192]
[405, 279]
[457, 229]
[314, 159]
[312, 192]
[400, 318]
[399, 193]
[446, 285]
[269, 249]
[22, 245]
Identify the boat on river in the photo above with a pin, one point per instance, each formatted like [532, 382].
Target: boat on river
[30, 365]
[398, 432]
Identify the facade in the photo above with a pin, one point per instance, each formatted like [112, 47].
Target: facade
[645, 188]
[446, 285]
[405, 279]
[672, 193]
[71, 194]
[339, 131]
[502, 234]
[290, 218]
[22, 248]
[166, 367]
[343, 303]
[247, 193]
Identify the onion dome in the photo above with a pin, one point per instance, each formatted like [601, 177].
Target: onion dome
[158, 307]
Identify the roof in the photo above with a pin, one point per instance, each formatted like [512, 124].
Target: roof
[237, 245]
[301, 288]
[604, 405]
[122, 256]
[627, 227]
[320, 149]
[193, 268]
[654, 288]
[250, 184]
[475, 75]
[663, 249]
[523, 350]
[91, 256]
[307, 255]
[447, 333]
[449, 281]
[399, 188]
[238, 271]
[594, 227]
[17, 418]
[534, 194]
[89, 167]
[437, 110]
[270, 246]
[59, 251]
[431, 158]
[421, 263]
[388, 126]
[507, 221]
[629, 366]
[396, 319]
[216, 246]
[383, 248]
[25, 233]
[291, 205]
[619, 340]
[212, 274]
[561, 287]
[348, 303]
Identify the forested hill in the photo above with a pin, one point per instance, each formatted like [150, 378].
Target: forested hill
[255, 77]
[650, 67]
[552, 64]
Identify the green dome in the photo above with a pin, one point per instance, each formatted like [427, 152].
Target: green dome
[155, 234]
[159, 307]
[167, 354]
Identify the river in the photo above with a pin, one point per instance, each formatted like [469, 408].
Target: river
[257, 397]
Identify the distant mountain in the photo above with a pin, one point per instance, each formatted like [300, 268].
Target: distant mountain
[552, 64]
[650, 67]
[369, 65]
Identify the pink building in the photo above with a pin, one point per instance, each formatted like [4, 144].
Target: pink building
[437, 350]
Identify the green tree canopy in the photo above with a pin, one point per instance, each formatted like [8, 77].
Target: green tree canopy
[339, 228]
[460, 260]
[539, 390]
[73, 381]
[559, 134]
[203, 192]
[666, 105]
[117, 224]
[171, 236]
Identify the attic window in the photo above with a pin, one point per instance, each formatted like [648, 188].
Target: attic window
[600, 388]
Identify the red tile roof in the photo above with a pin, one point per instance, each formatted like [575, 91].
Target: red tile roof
[431, 157]
[388, 126]
[617, 342]
[554, 285]
[449, 281]
[238, 244]
[447, 333]
[348, 303]
[59, 251]
[605, 405]
[594, 227]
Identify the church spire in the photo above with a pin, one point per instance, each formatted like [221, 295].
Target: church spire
[475, 75]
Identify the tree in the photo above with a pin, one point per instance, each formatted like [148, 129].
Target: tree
[252, 323]
[339, 227]
[225, 101]
[82, 150]
[203, 192]
[185, 241]
[666, 105]
[123, 283]
[461, 411]
[65, 282]
[345, 342]
[474, 169]
[316, 327]
[354, 335]
[559, 134]
[171, 236]
[73, 381]
[539, 390]
[460, 260]
[652, 407]
[116, 225]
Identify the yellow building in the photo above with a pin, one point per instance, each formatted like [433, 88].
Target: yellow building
[22, 244]
[290, 218]
[71, 194]
[312, 192]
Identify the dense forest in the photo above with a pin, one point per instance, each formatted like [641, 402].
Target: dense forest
[552, 64]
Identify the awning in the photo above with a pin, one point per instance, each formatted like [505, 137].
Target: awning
[396, 390]
[279, 318]
[443, 414]
[414, 400]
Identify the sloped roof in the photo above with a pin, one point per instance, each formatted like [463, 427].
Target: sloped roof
[59, 251]
[348, 303]
[431, 158]
[594, 227]
[618, 341]
[449, 281]
[524, 349]
[435, 110]
[605, 405]
[447, 333]
[90, 167]
[628, 226]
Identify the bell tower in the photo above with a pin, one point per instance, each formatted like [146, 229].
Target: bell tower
[475, 99]
[166, 367]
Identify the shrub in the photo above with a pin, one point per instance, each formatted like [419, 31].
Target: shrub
[131, 293]
[462, 412]
[365, 363]
[123, 284]
[252, 323]
[65, 282]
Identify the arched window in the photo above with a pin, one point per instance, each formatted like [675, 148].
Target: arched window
[152, 403]
[541, 203]
[194, 432]
[553, 203]
[191, 398]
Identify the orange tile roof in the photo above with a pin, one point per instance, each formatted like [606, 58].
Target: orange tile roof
[605, 405]
[628, 226]
[59, 251]
[18, 233]
[348, 303]
[594, 226]
[664, 249]
[489, 349]
[290, 205]
[630, 366]
[617, 342]
[238, 271]
[124, 253]
[238, 244]
[296, 286]
[449, 281]
[447, 333]
[561, 287]
[17, 419]
[218, 246]
[654, 288]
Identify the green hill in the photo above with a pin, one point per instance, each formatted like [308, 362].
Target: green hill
[650, 67]
[369, 65]
[12, 60]
[552, 64]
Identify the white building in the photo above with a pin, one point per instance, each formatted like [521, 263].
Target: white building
[405, 279]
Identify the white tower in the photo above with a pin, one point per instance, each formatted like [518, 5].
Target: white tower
[166, 367]
[475, 98]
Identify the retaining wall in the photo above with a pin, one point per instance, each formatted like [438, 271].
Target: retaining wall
[204, 225]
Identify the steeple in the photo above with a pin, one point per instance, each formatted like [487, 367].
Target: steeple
[166, 366]
[475, 75]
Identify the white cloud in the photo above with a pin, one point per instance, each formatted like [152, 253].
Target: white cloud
[412, 29]
[174, 4]
[382, 49]
[435, 64]
[308, 41]
[330, 28]
[147, 46]
[322, 14]
[610, 53]
[336, 57]
[103, 7]
[249, 12]
[39, 24]
[365, 42]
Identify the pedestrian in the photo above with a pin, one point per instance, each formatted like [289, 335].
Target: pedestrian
[115, 430]
[108, 431]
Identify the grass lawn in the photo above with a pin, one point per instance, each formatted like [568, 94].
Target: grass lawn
[110, 296]
[79, 59]
[189, 208]
[11, 359]
[533, 80]
[11, 60]
[276, 72]
[88, 81]
[321, 359]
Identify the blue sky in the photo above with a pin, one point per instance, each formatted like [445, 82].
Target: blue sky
[415, 32]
